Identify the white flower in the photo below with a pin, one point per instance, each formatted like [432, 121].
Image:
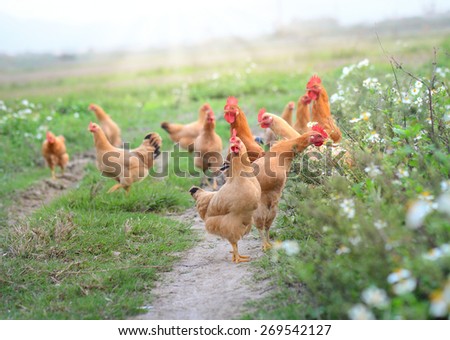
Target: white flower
[39, 136]
[401, 173]
[360, 312]
[426, 196]
[335, 97]
[375, 297]
[354, 120]
[76, 115]
[439, 305]
[416, 214]
[355, 240]
[374, 138]
[404, 287]
[365, 115]
[415, 91]
[418, 84]
[373, 170]
[348, 208]
[379, 224]
[399, 274]
[49, 118]
[346, 70]
[433, 254]
[402, 281]
[290, 247]
[443, 203]
[406, 99]
[25, 102]
[363, 63]
[215, 76]
[419, 102]
[371, 83]
[342, 250]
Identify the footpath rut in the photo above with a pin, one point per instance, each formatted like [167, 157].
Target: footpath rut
[205, 284]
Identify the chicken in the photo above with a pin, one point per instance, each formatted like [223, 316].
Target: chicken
[271, 173]
[185, 134]
[287, 112]
[276, 124]
[109, 127]
[54, 152]
[208, 148]
[321, 108]
[303, 114]
[125, 166]
[228, 212]
[271, 136]
[238, 121]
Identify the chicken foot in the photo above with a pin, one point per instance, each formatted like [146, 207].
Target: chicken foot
[237, 258]
[118, 186]
[264, 234]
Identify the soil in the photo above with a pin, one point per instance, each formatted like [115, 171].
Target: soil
[43, 192]
[205, 284]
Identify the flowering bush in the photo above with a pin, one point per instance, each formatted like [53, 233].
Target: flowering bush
[374, 241]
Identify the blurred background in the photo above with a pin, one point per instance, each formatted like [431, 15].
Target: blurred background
[97, 36]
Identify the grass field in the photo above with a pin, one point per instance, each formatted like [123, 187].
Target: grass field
[89, 255]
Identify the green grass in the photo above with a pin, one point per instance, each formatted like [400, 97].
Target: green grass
[90, 255]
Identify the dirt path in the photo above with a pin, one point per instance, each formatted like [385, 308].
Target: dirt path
[43, 192]
[205, 284]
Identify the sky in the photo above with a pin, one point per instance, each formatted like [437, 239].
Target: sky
[70, 26]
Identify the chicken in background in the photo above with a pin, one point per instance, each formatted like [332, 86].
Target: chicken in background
[208, 148]
[238, 121]
[109, 127]
[321, 108]
[185, 134]
[276, 124]
[271, 173]
[54, 152]
[287, 112]
[304, 116]
[228, 212]
[124, 166]
[271, 136]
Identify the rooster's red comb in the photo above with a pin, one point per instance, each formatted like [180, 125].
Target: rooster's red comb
[314, 80]
[320, 130]
[232, 101]
[260, 114]
[291, 105]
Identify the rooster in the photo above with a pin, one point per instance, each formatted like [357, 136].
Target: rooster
[109, 127]
[185, 134]
[271, 173]
[228, 212]
[125, 166]
[321, 108]
[238, 121]
[54, 152]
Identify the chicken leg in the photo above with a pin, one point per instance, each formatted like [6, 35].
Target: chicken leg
[237, 258]
[264, 234]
